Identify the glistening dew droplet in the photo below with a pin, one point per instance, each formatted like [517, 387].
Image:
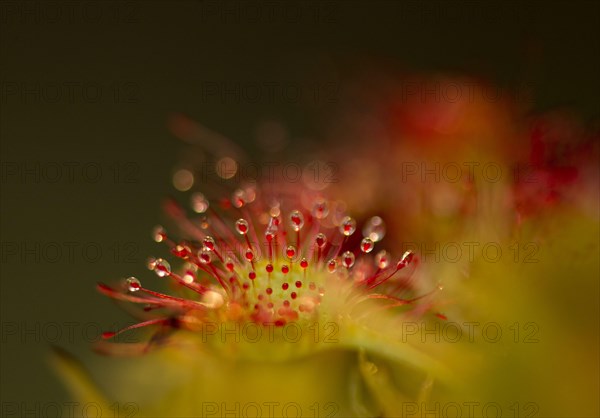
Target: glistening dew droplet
[199, 203]
[348, 259]
[133, 284]
[162, 267]
[158, 233]
[374, 229]
[320, 240]
[150, 263]
[296, 220]
[181, 251]
[405, 260]
[382, 259]
[241, 226]
[348, 226]
[204, 256]
[320, 209]
[249, 254]
[332, 265]
[209, 243]
[290, 252]
[366, 245]
[238, 199]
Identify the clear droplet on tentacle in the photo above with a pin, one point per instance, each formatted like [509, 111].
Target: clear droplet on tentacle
[320, 240]
[209, 243]
[405, 260]
[374, 229]
[275, 211]
[241, 226]
[296, 220]
[150, 263]
[230, 265]
[239, 199]
[159, 234]
[199, 202]
[204, 223]
[382, 259]
[348, 259]
[249, 254]
[367, 245]
[320, 209]
[271, 231]
[204, 256]
[348, 226]
[133, 284]
[332, 265]
[181, 251]
[290, 252]
[162, 267]
[250, 193]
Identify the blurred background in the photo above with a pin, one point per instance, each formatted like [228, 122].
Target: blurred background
[88, 89]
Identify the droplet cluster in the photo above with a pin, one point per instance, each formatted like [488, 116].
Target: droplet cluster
[266, 260]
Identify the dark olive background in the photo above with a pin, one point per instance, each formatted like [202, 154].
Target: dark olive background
[157, 55]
